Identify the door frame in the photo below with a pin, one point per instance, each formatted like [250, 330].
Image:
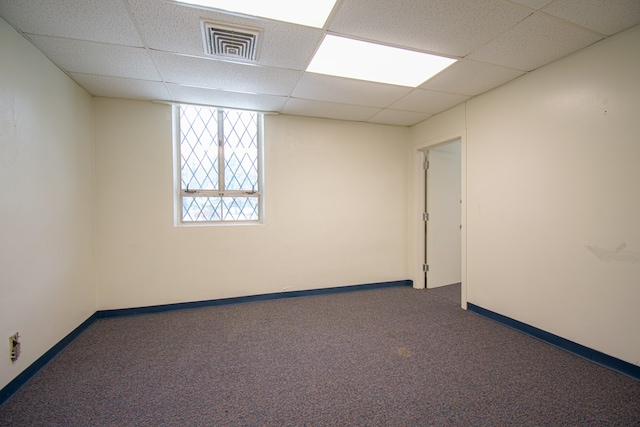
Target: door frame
[419, 202]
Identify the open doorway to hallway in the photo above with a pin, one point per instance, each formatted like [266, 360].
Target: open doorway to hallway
[442, 219]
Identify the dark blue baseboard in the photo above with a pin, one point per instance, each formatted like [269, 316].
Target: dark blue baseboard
[19, 381]
[246, 299]
[595, 356]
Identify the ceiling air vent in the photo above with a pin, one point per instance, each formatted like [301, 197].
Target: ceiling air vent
[231, 42]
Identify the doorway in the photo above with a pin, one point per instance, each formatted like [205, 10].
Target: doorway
[443, 215]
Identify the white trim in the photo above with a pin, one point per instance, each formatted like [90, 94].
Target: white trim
[177, 202]
[174, 103]
[417, 226]
[261, 180]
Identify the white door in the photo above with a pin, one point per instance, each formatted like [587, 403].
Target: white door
[443, 242]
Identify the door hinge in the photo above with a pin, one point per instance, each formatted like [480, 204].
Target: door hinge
[425, 165]
[425, 267]
[425, 216]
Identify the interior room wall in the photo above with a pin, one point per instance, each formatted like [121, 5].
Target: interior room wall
[46, 203]
[335, 202]
[552, 204]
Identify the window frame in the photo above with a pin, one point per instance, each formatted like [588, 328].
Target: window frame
[179, 193]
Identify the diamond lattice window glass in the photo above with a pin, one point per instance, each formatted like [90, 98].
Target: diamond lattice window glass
[241, 151]
[199, 148]
[219, 153]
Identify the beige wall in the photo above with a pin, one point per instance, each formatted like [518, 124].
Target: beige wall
[549, 176]
[336, 197]
[46, 203]
[552, 201]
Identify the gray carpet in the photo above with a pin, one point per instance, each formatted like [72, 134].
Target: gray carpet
[394, 357]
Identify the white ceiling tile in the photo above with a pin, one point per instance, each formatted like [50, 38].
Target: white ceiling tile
[347, 91]
[440, 26]
[95, 20]
[116, 87]
[214, 74]
[98, 58]
[221, 98]
[172, 27]
[598, 15]
[533, 4]
[428, 101]
[329, 110]
[467, 77]
[398, 118]
[498, 40]
[534, 42]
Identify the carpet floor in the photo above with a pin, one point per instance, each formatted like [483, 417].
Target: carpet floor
[386, 357]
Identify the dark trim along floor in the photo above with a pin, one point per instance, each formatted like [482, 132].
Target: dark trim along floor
[593, 355]
[24, 377]
[572, 347]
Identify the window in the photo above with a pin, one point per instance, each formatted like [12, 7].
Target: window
[219, 153]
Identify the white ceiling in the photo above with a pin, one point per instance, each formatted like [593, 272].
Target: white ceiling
[153, 49]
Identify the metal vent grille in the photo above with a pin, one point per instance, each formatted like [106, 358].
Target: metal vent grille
[231, 42]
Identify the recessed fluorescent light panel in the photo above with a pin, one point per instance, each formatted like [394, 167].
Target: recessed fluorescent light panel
[312, 13]
[355, 59]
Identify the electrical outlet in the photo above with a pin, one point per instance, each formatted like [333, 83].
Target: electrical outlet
[14, 346]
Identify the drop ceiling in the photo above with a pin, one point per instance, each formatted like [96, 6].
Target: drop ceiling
[154, 50]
